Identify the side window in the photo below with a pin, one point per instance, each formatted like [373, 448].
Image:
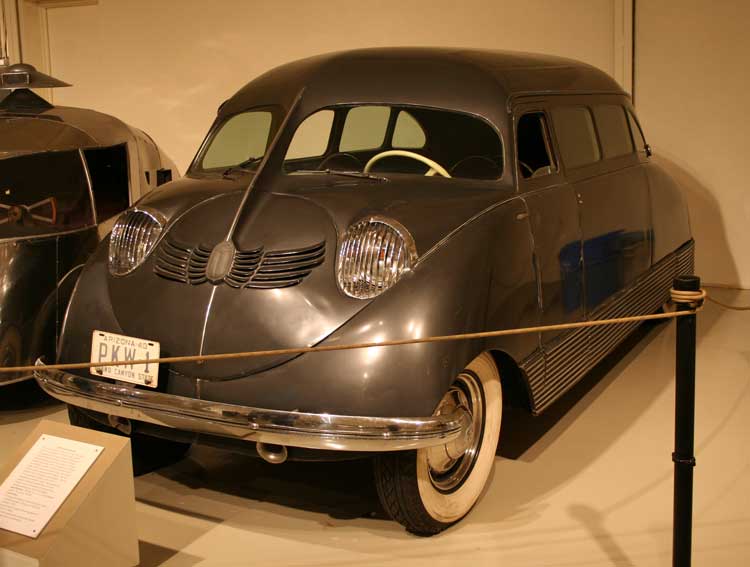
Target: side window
[364, 128]
[311, 137]
[532, 143]
[408, 133]
[108, 168]
[612, 124]
[575, 133]
[635, 130]
[242, 137]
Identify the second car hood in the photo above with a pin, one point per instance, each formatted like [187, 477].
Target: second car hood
[206, 318]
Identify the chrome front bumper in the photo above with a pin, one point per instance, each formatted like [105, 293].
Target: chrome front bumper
[288, 428]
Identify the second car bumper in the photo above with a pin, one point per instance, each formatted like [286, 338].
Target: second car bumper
[288, 428]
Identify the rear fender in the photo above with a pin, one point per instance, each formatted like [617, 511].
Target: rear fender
[669, 212]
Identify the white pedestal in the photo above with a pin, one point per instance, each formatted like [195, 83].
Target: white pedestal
[95, 525]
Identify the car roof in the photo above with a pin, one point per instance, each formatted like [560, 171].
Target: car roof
[29, 124]
[471, 80]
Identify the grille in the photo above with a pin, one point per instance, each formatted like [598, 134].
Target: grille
[254, 268]
[182, 263]
[284, 268]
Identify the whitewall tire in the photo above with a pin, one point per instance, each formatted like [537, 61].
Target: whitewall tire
[429, 489]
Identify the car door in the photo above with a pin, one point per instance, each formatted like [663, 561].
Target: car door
[555, 227]
[613, 196]
[600, 164]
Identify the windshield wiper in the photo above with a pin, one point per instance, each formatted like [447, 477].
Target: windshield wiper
[245, 165]
[357, 174]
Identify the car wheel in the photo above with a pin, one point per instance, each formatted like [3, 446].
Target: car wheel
[149, 453]
[429, 489]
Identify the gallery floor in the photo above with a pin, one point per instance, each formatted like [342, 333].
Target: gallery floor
[590, 487]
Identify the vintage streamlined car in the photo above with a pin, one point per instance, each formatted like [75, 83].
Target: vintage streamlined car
[65, 173]
[367, 196]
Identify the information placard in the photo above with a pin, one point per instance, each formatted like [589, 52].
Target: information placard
[41, 481]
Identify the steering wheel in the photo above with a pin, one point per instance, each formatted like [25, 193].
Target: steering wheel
[527, 167]
[353, 161]
[435, 167]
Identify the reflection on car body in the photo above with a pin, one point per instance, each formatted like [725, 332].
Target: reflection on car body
[64, 174]
[478, 191]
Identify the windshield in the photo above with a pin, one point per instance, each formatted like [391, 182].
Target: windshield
[240, 140]
[372, 139]
[43, 193]
[379, 139]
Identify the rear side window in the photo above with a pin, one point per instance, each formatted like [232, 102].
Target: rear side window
[407, 132]
[364, 128]
[640, 143]
[614, 135]
[574, 128]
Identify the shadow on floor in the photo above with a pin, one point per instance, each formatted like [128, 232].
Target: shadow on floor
[521, 430]
[342, 490]
[153, 555]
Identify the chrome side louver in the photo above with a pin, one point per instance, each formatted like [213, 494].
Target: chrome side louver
[254, 268]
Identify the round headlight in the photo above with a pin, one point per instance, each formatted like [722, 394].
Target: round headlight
[374, 254]
[133, 238]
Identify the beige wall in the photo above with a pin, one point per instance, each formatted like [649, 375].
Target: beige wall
[166, 65]
[692, 84]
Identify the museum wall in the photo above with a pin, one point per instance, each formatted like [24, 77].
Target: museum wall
[691, 85]
[166, 66]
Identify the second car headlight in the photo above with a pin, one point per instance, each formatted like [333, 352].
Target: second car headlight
[374, 254]
[134, 236]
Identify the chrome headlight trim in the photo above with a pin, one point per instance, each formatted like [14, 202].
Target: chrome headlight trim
[134, 236]
[375, 252]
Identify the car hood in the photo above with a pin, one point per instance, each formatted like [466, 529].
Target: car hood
[305, 217]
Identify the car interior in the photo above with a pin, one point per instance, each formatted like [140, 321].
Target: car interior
[534, 153]
[43, 192]
[392, 139]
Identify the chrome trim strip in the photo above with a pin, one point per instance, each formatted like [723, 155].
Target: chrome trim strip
[293, 429]
[205, 319]
[564, 365]
[46, 234]
[90, 185]
[262, 166]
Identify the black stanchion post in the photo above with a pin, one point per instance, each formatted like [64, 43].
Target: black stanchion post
[684, 433]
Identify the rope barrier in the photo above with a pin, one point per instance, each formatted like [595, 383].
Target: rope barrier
[693, 298]
[727, 306]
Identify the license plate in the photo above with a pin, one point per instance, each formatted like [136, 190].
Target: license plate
[109, 347]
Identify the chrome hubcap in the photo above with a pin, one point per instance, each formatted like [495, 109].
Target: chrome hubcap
[451, 463]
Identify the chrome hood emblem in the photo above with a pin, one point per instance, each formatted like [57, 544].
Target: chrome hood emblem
[220, 262]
